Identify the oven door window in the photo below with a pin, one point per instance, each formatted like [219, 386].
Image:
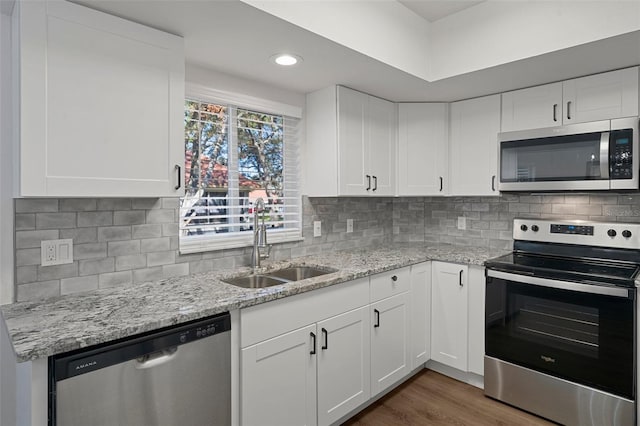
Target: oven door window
[585, 338]
[562, 158]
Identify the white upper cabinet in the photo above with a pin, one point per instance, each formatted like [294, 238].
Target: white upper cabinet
[592, 98]
[473, 146]
[351, 144]
[422, 148]
[532, 108]
[101, 104]
[601, 96]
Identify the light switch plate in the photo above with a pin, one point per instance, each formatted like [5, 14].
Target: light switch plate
[317, 228]
[462, 222]
[56, 252]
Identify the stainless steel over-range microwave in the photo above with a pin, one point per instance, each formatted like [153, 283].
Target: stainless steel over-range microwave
[599, 155]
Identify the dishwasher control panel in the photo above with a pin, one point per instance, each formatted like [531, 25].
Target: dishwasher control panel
[142, 347]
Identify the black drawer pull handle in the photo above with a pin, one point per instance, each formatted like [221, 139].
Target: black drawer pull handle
[377, 314]
[555, 114]
[493, 182]
[179, 170]
[441, 183]
[325, 333]
[461, 272]
[375, 183]
[313, 343]
[569, 110]
[368, 182]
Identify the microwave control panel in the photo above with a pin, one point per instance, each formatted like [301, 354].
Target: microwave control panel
[621, 154]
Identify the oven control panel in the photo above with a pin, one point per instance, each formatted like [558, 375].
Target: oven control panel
[601, 234]
[571, 229]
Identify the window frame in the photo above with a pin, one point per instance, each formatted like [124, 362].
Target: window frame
[222, 241]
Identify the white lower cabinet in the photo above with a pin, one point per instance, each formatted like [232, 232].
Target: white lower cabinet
[389, 342]
[476, 294]
[343, 364]
[278, 380]
[457, 316]
[420, 314]
[449, 330]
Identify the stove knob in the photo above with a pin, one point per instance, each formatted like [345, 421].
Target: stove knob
[535, 228]
[524, 228]
[612, 232]
[626, 233]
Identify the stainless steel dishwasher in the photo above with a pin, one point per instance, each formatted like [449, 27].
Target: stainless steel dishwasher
[180, 375]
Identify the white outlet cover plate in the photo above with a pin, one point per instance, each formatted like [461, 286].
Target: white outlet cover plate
[56, 252]
[462, 222]
[349, 226]
[317, 228]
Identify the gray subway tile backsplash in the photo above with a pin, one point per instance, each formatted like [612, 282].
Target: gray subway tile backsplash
[126, 241]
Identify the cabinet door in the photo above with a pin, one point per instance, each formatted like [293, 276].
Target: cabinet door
[420, 314]
[343, 364]
[601, 96]
[381, 148]
[278, 380]
[476, 319]
[352, 142]
[389, 342]
[422, 148]
[532, 108]
[101, 104]
[473, 155]
[449, 314]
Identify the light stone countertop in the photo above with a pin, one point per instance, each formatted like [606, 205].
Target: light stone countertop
[43, 328]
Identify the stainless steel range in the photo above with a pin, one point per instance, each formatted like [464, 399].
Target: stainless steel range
[561, 321]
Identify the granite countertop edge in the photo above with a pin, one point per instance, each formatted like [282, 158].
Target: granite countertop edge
[58, 325]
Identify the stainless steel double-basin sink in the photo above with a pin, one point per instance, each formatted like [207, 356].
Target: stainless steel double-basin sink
[278, 276]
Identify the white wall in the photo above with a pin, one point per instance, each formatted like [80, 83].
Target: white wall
[384, 30]
[498, 32]
[6, 157]
[7, 356]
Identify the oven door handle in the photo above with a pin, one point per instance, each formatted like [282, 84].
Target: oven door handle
[562, 285]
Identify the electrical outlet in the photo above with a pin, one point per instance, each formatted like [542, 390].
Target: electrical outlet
[349, 226]
[462, 222]
[317, 228]
[56, 252]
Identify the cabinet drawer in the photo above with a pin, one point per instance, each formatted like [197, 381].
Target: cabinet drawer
[262, 322]
[390, 283]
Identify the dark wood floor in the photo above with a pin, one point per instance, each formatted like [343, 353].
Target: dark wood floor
[429, 398]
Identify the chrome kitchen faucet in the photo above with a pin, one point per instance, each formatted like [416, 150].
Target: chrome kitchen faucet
[259, 236]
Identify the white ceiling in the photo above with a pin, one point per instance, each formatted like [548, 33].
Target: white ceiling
[234, 38]
[432, 10]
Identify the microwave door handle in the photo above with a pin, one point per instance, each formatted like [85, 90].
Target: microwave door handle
[604, 155]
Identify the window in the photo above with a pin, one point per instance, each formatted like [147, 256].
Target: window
[233, 156]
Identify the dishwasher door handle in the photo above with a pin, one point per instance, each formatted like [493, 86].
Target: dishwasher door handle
[150, 361]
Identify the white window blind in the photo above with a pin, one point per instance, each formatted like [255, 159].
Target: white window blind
[233, 156]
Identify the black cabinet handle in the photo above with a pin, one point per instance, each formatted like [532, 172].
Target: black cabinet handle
[375, 182]
[377, 314]
[394, 278]
[368, 182]
[179, 169]
[325, 333]
[555, 112]
[441, 183]
[313, 343]
[493, 183]
[569, 110]
[461, 272]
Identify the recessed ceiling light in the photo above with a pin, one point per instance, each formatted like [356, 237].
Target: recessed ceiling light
[286, 59]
